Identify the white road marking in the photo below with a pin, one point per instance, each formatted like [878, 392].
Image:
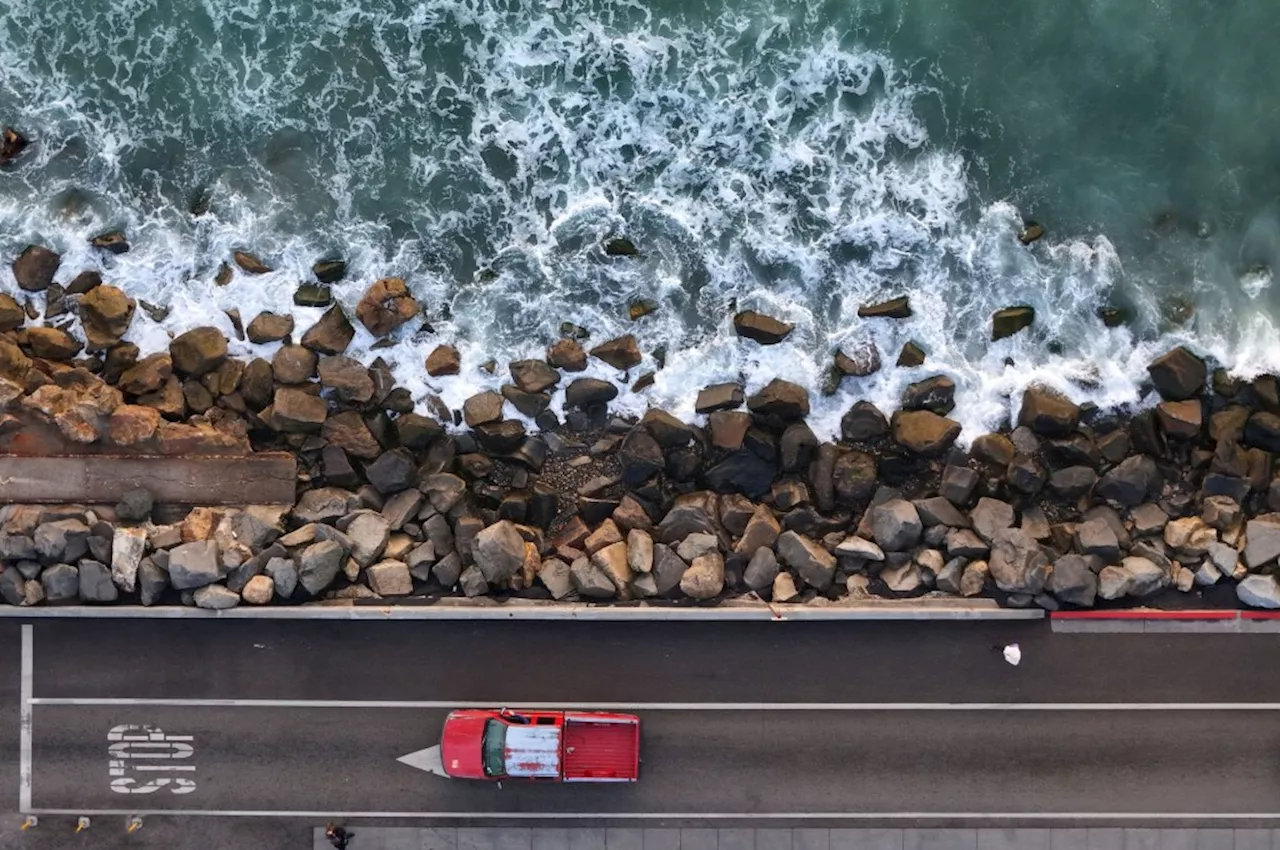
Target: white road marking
[428, 759]
[24, 724]
[1200, 817]
[662, 706]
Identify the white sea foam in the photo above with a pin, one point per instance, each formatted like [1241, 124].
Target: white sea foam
[752, 160]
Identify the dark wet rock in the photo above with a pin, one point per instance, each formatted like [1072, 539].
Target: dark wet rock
[1130, 483]
[763, 329]
[482, 407]
[329, 270]
[1025, 475]
[863, 422]
[641, 307]
[924, 432]
[313, 295]
[1178, 375]
[896, 525]
[331, 334]
[1031, 232]
[620, 247]
[269, 327]
[937, 510]
[12, 143]
[35, 267]
[250, 263]
[1048, 412]
[588, 392]
[501, 437]
[937, 393]
[719, 397]
[1008, 321]
[742, 472]
[853, 477]
[1072, 482]
[113, 242]
[567, 354]
[528, 404]
[894, 308]
[858, 360]
[1263, 431]
[385, 306]
[781, 399]
[620, 353]
[443, 360]
[52, 343]
[995, 449]
[958, 484]
[392, 472]
[298, 412]
[911, 355]
[533, 376]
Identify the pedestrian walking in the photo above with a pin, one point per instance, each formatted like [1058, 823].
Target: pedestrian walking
[337, 835]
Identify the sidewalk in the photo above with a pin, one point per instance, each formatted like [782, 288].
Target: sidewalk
[517, 838]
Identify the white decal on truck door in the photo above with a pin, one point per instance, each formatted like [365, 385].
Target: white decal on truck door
[143, 759]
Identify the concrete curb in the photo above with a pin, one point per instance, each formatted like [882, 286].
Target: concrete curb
[1153, 621]
[461, 610]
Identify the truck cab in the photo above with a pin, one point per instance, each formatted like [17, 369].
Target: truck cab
[552, 746]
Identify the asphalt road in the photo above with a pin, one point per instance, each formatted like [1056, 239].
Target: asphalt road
[304, 758]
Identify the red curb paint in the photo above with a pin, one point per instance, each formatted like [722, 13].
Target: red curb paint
[1157, 615]
[1260, 615]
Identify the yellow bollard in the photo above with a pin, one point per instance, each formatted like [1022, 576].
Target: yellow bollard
[30, 821]
[82, 823]
[135, 824]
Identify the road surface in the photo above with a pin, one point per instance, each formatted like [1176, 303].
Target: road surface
[789, 724]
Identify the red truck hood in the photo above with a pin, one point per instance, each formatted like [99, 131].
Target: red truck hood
[460, 749]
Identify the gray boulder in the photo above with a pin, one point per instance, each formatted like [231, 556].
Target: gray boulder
[1146, 577]
[448, 570]
[61, 582]
[761, 570]
[499, 551]
[590, 579]
[1017, 562]
[902, 578]
[152, 581]
[939, 511]
[815, 565]
[963, 543]
[1073, 581]
[1259, 591]
[949, 579]
[697, 545]
[12, 586]
[325, 504]
[705, 577]
[683, 520]
[65, 540]
[555, 577]
[402, 507]
[283, 572]
[1096, 537]
[215, 597]
[17, 547]
[368, 532]
[473, 582]
[1131, 482]
[318, 566]
[1262, 540]
[390, 578]
[859, 547]
[95, 582]
[193, 565]
[991, 516]
[255, 527]
[128, 545]
[1114, 582]
[896, 525]
[668, 569]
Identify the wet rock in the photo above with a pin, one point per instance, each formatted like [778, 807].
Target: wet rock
[1132, 482]
[1017, 563]
[1263, 431]
[1048, 412]
[1259, 591]
[329, 270]
[1031, 232]
[1180, 420]
[858, 360]
[995, 449]
[588, 392]
[298, 412]
[924, 432]
[853, 477]
[269, 327]
[567, 354]
[113, 242]
[782, 399]
[911, 355]
[896, 525]
[443, 360]
[35, 267]
[743, 472]
[331, 334]
[620, 353]
[193, 565]
[12, 143]
[863, 422]
[533, 376]
[250, 263]
[197, 351]
[52, 343]
[763, 329]
[386, 306]
[349, 379]
[1008, 321]
[481, 408]
[392, 472]
[105, 313]
[894, 308]
[937, 393]
[813, 563]
[719, 397]
[620, 247]
[1178, 375]
[312, 295]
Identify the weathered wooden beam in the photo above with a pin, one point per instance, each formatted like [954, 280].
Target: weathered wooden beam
[260, 479]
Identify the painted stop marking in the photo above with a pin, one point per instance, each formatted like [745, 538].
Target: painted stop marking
[145, 759]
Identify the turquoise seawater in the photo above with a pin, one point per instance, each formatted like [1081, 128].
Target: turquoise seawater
[801, 158]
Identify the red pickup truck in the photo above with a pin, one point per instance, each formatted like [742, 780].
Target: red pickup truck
[556, 746]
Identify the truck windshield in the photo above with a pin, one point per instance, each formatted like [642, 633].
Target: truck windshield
[494, 747]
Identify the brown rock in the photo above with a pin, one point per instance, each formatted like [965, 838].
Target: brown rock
[719, 397]
[533, 376]
[197, 398]
[237, 326]
[481, 408]
[348, 431]
[331, 334]
[269, 327]
[256, 384]
[348, 378]
[443, 360]
[620, 353]
[169, 399]
[52, 344]
[14, 365]
[105, 312]
[780, 398]
[84, 282]
[120, 357]
[180, 438]
[995, 449]
[35, 267]
[911, 355]
[329, 270]
[386, 306]
[250, 263]
[728, 428]
[529, 404]
[293, 364]
[11, 144]
[859, 359]
[863, 422]
[1009, 320]
[1031, 231]
[131, 424]
[1178, 375]
[567, 354]
[112, 242]
[1181, 420]
[11, 314]
[641, 307]
[763, 329]
[223, 275]
[148, 375]
[894, 308]
[1048, 412]
[197, 351]
[924, 432]
[296, 411]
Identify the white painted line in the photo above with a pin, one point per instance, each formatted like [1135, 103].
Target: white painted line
[687, 816]
[24, 724]
[89, 702]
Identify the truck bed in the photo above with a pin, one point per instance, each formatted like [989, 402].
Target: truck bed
[599, 750]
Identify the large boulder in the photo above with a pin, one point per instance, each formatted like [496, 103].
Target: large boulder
[1178, 375]
[193, 565]
[198, 351]
[368, 532]
[765, 330]
[1259, 591]
[95, 582]
[937, 393]
[896, 525]
[1131, 482]
[319, 564]
[1017, 562]
[1262, 540]
[864, 421]
[390, 578]
[620, 353]
[1048, 412]
[349, 379]
[533, 376]
[35, 267]
[128, 545]
[815, 565]
[705, 577]
[499, 551]
[1073, 581]
[783, 399]
[894, 308]
[924, 432]
[386, 306]
[1007, 321]
[588, 392]
[331, 334]
[298, 412]
[105, 313]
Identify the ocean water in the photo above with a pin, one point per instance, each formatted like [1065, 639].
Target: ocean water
[800, 158]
